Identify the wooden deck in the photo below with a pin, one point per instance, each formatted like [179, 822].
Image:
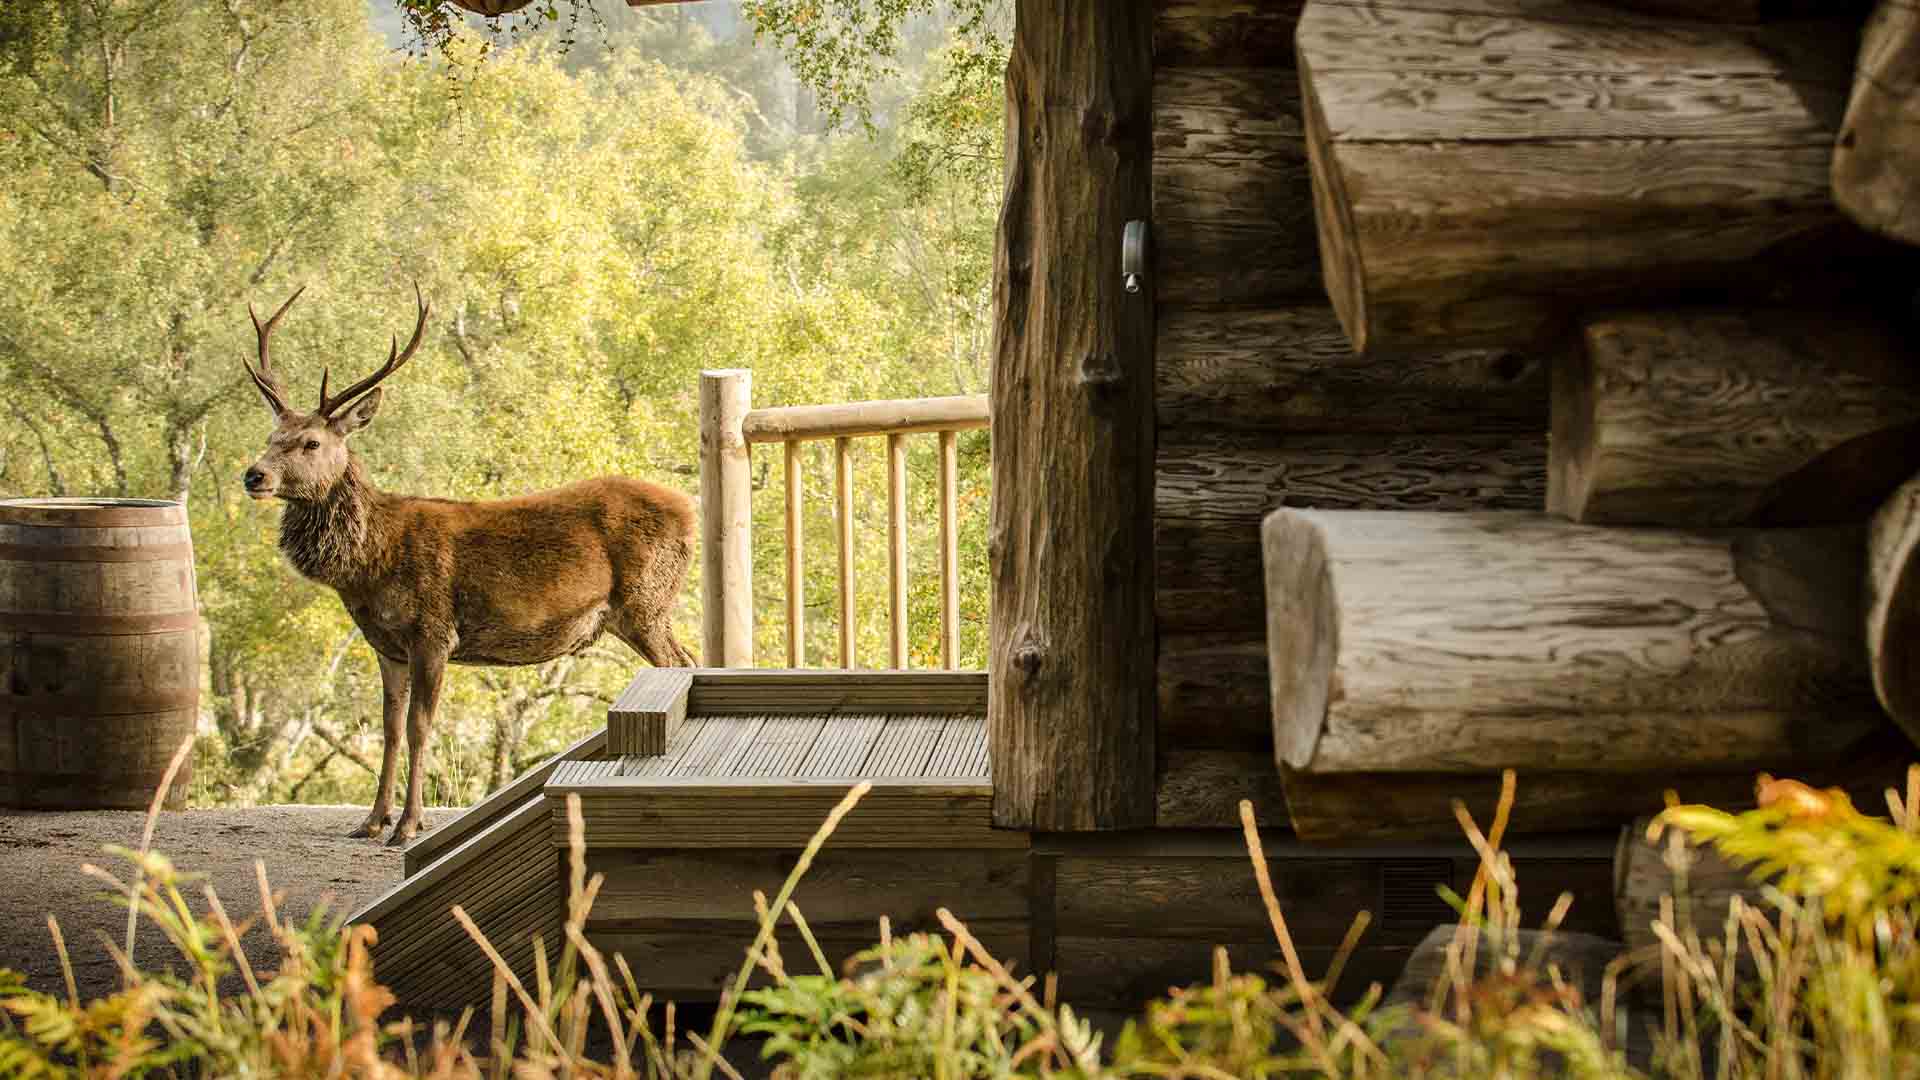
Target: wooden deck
[750, 768]
[747, 766]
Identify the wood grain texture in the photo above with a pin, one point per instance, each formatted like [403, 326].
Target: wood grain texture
[845, 889]
[696, 961]
[642, 717]
[1707, 417]
[1071, 707]
[100, 671]
[1475, 641]
[1292, 369]
[905, 416]
[1210, 497]
[1876, 161]
[767, 691]
[1404, 807]
[1369, 808]
[1223, 33]
[1525, 167]
[1218, 900]
[1202, 789]
[1233, 214]
[1213, 692]
[1893, 606]
[747, 812]
[726, 519]
[1122, 972]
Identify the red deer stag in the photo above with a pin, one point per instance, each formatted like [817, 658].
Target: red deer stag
[433, 581]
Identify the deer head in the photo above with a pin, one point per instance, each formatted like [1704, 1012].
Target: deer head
[307, 453]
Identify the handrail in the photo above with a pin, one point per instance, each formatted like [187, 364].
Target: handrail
[906, 416]
[729, 427]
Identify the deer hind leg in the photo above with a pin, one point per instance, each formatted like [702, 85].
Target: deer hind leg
[426, 669]
[394, 693]
[653, 639]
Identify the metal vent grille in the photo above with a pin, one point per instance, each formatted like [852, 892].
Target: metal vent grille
[1410, 893]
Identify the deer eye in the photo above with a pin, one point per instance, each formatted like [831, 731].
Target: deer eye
[313, 444]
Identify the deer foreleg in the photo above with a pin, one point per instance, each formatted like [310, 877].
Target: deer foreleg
[426, 669]
[393, 715]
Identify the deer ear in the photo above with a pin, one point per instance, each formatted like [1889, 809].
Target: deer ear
[359, 415]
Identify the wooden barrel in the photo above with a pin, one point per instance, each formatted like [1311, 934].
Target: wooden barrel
[99, 651]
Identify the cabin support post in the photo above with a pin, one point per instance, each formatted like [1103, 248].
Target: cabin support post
[726, 519]
[1071, 710]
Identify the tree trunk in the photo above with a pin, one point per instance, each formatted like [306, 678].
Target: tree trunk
[1408, 642]
[1721, 416]
[1478, 180]
[1072, 659]
[1876, 161]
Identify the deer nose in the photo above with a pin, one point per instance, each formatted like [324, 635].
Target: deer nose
[254, 479]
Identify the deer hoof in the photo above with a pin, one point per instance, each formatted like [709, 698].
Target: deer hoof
[370, 828]
[402, 833]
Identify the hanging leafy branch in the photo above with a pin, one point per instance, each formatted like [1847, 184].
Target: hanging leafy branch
[840, 48]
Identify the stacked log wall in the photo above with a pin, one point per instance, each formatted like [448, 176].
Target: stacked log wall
[1261, 402]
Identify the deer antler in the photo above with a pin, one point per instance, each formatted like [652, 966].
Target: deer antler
[396, 358]
[264, 378]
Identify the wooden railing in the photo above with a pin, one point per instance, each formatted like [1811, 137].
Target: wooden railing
[730, 426]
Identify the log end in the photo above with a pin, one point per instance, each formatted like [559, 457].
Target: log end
[1303, 632]
[1893, 606]
[1340, 268]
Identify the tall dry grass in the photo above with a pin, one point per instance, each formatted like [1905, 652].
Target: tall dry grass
[1835, 990]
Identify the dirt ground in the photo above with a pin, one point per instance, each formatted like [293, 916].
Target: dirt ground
[308, 855]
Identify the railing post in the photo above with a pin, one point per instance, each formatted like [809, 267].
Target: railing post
[726, 518]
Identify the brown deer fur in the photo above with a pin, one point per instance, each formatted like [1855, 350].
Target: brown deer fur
[434, 581]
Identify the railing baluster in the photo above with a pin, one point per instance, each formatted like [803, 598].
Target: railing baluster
[730, 426]
[897, 550]
[843, 490]
[796, 566]
[949, 549]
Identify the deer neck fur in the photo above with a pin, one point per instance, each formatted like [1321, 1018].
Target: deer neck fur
[337, 540]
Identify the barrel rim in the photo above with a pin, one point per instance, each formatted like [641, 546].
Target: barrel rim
[88, 502]
[92, 512]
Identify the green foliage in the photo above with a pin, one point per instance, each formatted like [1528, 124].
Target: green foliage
[941, 1005]
[593, 228]
[841, 48]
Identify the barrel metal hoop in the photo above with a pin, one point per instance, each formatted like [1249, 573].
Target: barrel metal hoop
[49, 623]
[55, 553]
[130, 703]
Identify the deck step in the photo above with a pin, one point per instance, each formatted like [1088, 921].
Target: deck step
[507, 878]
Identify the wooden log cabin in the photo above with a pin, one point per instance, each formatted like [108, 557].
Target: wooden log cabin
[1505, 386]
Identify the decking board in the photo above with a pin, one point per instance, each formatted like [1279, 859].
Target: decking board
[905, 746]
[780, 745]
[843, 746]
[962, 749]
